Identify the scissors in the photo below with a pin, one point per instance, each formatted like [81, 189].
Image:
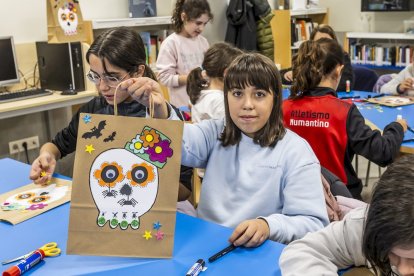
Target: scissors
[50, 249]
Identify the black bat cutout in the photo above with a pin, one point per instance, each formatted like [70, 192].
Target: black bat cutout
[110, 137]
[95, 131]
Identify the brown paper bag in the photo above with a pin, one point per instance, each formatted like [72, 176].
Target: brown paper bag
[31, 200]
[64, 21]
[125, 186]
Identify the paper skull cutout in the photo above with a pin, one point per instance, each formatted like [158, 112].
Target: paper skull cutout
[68, 20]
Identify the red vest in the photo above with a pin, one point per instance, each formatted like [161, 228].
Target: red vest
[321, 120]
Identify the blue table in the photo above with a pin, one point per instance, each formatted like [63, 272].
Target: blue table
[378, 116]
[194, 239]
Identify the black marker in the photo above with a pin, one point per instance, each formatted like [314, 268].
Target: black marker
[376, 96]
[350, 97]
[222, 253]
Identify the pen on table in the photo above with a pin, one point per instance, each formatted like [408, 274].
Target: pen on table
[410, 129]
[376, 96]
[196, 268]
[408, 140]
[350, 97]
[25, 264]
[222, 253]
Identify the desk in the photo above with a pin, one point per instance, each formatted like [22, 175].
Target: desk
[194, 239]
[44, 103]
[378, 116]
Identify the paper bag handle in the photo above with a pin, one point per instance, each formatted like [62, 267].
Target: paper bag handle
[151, 103]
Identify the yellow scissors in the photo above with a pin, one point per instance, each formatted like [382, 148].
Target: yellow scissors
[50, 249]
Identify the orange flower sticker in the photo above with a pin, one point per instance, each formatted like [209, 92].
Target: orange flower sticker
[109, 174]
[149, 138]
[141, 174]
[24, 196]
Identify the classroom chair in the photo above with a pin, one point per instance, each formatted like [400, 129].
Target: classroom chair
[365, 78]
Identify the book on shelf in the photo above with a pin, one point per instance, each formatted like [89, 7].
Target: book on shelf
[142, 8]
[301, 29]
[380, 55]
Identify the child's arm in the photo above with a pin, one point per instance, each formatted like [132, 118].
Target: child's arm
[337, 246]
[392, 85]
[167, 65]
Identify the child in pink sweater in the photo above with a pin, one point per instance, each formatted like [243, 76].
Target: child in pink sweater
[183, 50]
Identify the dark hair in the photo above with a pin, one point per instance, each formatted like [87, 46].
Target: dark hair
[323, 28]
[390, 217]
[253, 69]
[193, 9]
[123, 48]
[216, 59]
[315, 59]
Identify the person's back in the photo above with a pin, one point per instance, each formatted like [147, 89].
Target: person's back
[334, 128]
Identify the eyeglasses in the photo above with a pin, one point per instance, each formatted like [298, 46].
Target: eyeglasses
[111, 81]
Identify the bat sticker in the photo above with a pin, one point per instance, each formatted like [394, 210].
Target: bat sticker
[95, 131]
[110, 137]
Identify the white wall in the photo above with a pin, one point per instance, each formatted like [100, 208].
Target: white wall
[346, 16]
[26, 20]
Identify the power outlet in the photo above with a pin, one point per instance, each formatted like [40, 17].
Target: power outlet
[17, 146]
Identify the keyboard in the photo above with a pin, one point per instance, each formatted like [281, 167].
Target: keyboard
[23, 94]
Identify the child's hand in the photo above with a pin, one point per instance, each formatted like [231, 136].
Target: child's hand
[403, 123]
[43, 168]
[141, 89]
[250, 233]
[406, 85]
[288, 76]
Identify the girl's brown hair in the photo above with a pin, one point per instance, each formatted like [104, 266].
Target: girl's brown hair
[193, 9]
[216, 59]
[253, 69]
[314, 60]
[323, 28]
[123, 48]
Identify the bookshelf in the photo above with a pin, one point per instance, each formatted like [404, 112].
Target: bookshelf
[281, 30]
[152, 29]
[383, 52]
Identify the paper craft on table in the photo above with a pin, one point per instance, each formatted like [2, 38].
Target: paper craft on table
[31, 200]
[392, 100]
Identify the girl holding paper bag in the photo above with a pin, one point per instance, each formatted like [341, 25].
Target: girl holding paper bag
[116, 56]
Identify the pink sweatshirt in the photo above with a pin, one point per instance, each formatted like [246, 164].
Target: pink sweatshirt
[179, 55]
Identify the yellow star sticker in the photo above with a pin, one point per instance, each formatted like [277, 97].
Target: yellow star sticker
[43, 173]
[147, 235]
[89, 148]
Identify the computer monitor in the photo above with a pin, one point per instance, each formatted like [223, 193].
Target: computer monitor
[9, 70]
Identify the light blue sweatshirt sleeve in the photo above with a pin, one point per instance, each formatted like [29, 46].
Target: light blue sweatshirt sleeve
[304, 208]
[198, 141]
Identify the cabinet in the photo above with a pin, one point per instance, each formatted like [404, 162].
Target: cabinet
[387, 52]
[281, 30]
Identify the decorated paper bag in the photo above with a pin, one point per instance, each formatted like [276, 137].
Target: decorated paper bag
[31, 200]
[64, 21]
[125, 186]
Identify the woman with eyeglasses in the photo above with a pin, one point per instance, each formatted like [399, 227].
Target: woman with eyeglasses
[116, 56]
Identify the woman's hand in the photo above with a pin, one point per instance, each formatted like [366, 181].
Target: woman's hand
[142, 89]
[250, 233]
[43, 168]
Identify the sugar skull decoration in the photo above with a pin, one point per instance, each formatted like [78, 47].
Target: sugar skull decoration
[67, 17]
[35, 198]
[126, 189]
